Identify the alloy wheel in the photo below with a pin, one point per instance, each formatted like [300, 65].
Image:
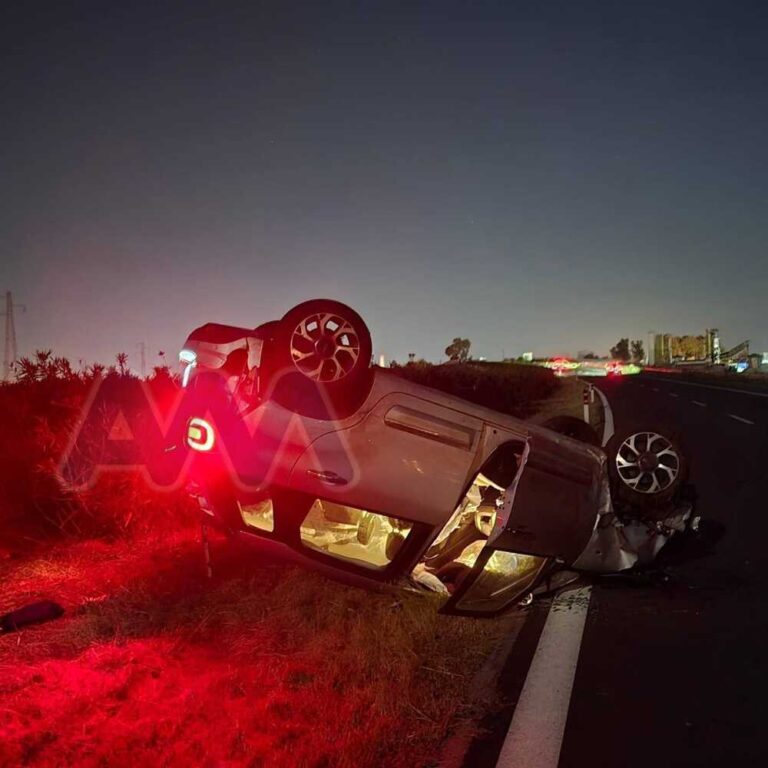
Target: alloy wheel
[325, 347]
[647, 462]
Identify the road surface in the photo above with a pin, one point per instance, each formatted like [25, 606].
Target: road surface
[674, 675]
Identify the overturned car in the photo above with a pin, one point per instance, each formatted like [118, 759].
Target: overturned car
[303, 446]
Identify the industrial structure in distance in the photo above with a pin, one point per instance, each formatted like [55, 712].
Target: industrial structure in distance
[701, 350]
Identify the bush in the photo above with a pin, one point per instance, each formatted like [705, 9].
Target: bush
[505, 387]
[40, 411]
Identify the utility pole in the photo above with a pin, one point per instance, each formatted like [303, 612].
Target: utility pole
[713, 345]
[143, 356]
[11, 352]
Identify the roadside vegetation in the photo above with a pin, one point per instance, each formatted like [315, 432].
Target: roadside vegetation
[567, 400]
[40, 411]
[515, 389]
[262, 665]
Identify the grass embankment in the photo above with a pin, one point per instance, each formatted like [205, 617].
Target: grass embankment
[567, 400]
[263, 665]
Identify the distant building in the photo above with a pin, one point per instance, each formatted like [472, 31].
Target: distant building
[669, 349]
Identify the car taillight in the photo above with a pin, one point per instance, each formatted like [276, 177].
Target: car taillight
[200, 434]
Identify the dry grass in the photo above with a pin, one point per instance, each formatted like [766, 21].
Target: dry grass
[263, 665]
[568, 401]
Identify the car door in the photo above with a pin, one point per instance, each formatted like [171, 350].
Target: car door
[409, 458]
[548, 515]
[552, 508]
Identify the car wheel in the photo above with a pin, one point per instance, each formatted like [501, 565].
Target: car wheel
[646, 467]
[570, 426]
[321, 356]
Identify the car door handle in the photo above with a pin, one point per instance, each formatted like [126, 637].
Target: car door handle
[331, 478]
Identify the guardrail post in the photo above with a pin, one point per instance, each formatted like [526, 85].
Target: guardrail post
[587, 397]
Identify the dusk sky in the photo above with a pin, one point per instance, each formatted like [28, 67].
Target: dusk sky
[534, 176]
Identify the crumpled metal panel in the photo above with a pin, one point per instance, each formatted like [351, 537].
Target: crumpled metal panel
[617, 546]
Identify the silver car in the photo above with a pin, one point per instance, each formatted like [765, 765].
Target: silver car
[302, 446]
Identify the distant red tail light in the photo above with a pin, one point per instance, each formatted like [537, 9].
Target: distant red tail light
[200, 435]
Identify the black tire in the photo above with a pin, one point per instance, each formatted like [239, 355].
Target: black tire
[570, 426]
[647, 467]
[320, 359]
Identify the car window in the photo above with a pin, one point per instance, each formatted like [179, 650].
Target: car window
[260, 515]
[354, 535]
[498, 580]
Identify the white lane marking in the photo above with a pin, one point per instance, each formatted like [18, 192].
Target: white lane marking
[607, 417]
[739, 418]
[710, 386]
[535, 734]
[673, 394]
[699, 403]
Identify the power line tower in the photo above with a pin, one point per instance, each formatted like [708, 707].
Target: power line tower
[11, 352]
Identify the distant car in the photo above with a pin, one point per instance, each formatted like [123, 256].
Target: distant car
[562, 366]
[301, 445]
[614, 368]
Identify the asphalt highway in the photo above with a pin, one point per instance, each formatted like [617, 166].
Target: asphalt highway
[676, 673]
